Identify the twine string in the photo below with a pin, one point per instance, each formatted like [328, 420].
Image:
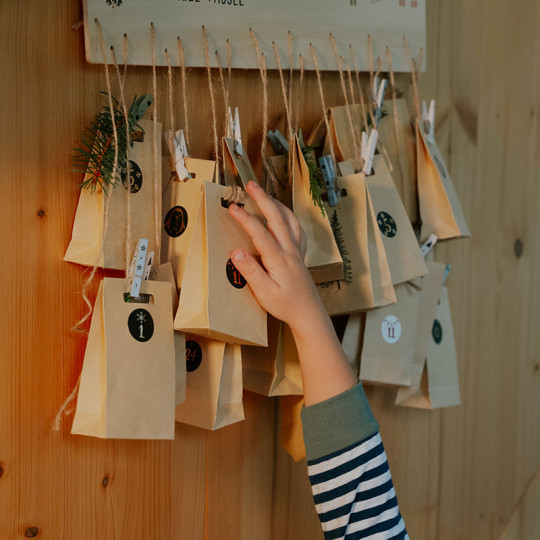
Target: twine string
[212, 94]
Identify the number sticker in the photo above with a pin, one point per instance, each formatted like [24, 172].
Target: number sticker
[236, 279]
[387, 225]
[436, 332]
[193, 355]
[391, 329]
[135, 177]
[176, 221]
[141, 325]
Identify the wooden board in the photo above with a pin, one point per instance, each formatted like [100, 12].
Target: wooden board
[308, 21]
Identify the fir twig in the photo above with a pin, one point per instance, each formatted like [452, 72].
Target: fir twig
[340, 242]
[95, 157]
[316, 181]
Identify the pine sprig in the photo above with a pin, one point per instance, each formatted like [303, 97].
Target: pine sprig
[316, 181]
[95, 157]
[340, 242]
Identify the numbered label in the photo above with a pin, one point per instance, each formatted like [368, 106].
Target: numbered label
[436, 332]
[134, 183]
[176, 221]
[141, 325]
[193, 355]
[236, 279]
[441, 168]
[391, 329]
[387, 225]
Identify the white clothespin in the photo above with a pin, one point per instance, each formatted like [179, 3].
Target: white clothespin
[234, 132]
[428, 244]
[138, 270]
[180, 152]
[148, 267]
[428, 119]
[378, 97]
[368, 149]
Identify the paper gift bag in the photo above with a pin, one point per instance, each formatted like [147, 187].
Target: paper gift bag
[405, 259]
[236, 167]
[273, 370]
[322, 257]
[367, 283]
[342, 134]
[440, 209]
[278, 186]
[397, 136]
[127, 387]
[85, 245]
[181, 201]
[389, 340]
[292, 436]
[165, 273]
[214, 384]
[439, 385]
[215, 301]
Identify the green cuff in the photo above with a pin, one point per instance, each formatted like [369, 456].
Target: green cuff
[337, 423]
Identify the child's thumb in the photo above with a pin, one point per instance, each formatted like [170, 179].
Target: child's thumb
[251, 270]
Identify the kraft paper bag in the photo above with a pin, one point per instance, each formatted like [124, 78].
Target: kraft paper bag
[342, 134]
[397, 136]
[367, 283]
[165, 273]
[439, 385]
[273, 370]
[85, 245]
[127, 387]
[181, 201]
[214, 384]
[405, 259]
[236, 167]
[279, 186]
[440, 209]
[215, 301]
[322, 257]
[389, 340]
[292, 436]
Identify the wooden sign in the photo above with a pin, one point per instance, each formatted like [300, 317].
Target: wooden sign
[308, 21]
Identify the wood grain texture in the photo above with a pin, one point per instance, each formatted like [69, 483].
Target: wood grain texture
[467, 472]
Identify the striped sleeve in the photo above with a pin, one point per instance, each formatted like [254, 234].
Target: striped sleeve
[352, 486]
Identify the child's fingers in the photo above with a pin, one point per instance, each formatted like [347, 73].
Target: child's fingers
[293, 223]
[260, 282]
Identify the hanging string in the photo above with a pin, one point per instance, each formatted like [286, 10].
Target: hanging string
[394, 107]
[290, 74]
[357, 150]
[323, 104]
[379, 67]
[212, 94]
[184, 92]
[157, 236]
[299, 93]
[351, 89]
[358, 83]
[283, 92]
[371, 93]
[172, 130]
[224, 90]
[121, 85]
[412, 64]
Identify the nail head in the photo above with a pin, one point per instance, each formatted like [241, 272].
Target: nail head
[31, 532]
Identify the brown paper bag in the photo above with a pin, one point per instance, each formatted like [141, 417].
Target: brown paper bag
[237, 168]
[273, 370]
[127, 387]
[405, 259]
[214, 384]
[367, 283]
[439, 385]
[181, 201]
[322, 257]
[85, 245]
[440, 209]
[278, 187]
[389, 340]
[215, 300]
[165, 273]
[292, 436]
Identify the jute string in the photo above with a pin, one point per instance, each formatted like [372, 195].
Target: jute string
[283, 92]
[156, 157]
[394, 107]
[371, 93]
[299, 93]
[172, 129]
[184, 90]
[359, 84]
[357, 120]
[413, 67]
[290, 75]
[212, 94]
[224, 90]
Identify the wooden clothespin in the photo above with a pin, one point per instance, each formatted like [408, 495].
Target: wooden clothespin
[279, 142]
[329, 174]
[139, 266]
[379, 90]
[369, 145]
[179, 152]
[428, 120]
[234, 132]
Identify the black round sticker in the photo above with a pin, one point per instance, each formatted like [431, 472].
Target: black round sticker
[436, 332]
[141, 325]
[236, 279]
[176, 221]
[135, 177]
[440, 166]
[387, 225]
[193, 355]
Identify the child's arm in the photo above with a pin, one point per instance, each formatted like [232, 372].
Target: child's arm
[347, 465]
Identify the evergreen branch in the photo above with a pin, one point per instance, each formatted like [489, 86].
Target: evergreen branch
[340, 242]
[316, 181]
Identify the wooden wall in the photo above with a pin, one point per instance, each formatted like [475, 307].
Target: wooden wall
[469, 472]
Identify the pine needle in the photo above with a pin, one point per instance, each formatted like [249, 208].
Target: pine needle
[316, 181]
[340, 242]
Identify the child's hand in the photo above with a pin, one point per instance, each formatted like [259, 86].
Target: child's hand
[282, 284]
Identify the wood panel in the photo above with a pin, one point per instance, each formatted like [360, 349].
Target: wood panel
[459, 473]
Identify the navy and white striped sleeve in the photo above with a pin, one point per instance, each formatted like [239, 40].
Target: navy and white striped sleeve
[348, 470]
